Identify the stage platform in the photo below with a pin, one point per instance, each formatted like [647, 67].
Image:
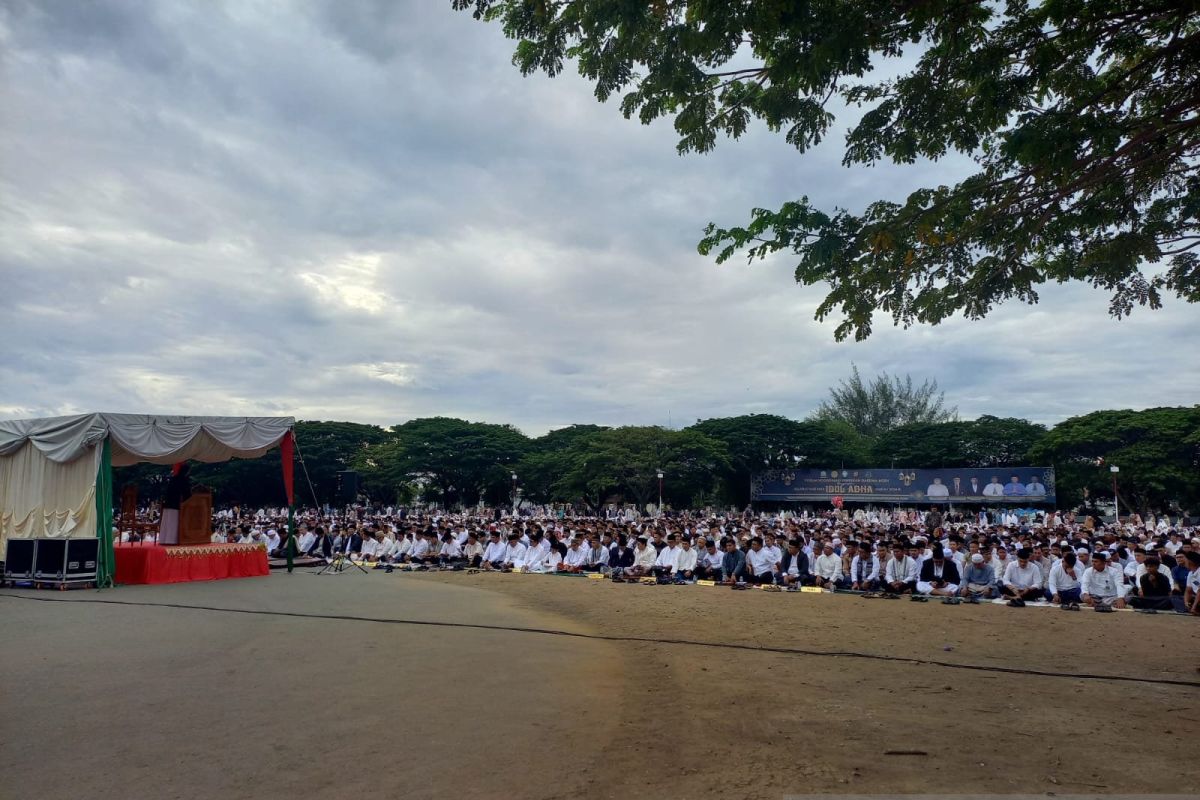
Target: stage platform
[154, 563]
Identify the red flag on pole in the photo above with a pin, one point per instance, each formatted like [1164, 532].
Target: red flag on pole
[286, 446]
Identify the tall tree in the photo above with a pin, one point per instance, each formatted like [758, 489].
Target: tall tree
[1083, 119]
[924, 445]
[626, 461]
[885, 403]
[1157, 451]
[758, 442]
[541, 470]
[328, 448]
[1001, 442]
[455, 461]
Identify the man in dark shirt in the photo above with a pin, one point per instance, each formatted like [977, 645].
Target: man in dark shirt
[1154, 588]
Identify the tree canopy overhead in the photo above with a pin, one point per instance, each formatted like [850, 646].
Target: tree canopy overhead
[1082, 119]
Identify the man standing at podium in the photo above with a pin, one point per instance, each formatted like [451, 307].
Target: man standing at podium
[179, 488]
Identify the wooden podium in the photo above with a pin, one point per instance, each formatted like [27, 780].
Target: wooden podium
[195, 517]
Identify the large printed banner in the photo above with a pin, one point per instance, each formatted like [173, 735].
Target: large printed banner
[993, 485]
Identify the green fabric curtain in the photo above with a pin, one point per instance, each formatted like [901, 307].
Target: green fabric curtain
[105, 565]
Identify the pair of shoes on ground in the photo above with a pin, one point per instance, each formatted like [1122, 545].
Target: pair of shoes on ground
[1016, 602]
[770, 587]
[951, 601]
[1070, 606]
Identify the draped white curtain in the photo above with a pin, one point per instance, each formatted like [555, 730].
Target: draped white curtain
[42, 498]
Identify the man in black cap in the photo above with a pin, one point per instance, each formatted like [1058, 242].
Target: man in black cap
[939, 577]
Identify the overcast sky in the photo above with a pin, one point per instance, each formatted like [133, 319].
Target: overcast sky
[360, 210]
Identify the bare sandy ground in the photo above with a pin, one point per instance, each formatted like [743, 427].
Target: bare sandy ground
[163, 702]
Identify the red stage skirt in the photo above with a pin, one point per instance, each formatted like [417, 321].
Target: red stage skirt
[147, 563]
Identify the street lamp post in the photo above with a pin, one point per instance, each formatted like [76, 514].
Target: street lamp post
[660, 480]
[1114, 469]
[514, 493]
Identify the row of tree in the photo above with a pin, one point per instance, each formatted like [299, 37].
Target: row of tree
[454, 461]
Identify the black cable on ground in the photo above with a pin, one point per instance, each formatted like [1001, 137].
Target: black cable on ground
[641, 639]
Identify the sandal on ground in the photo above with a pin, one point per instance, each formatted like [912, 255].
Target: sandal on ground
[1016, 602]
[951, 601]
[871, 595]
[1103, 609]
[917, 598]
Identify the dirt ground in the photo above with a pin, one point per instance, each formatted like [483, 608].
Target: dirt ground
[145, 700]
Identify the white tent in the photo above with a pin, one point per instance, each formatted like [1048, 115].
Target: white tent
[56, 472]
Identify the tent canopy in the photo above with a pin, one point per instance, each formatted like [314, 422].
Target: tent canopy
[156, 438]
[56, 473]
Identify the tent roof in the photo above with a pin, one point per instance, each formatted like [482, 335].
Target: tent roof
[157, 438]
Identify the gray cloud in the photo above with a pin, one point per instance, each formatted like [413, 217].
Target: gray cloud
[362, 211]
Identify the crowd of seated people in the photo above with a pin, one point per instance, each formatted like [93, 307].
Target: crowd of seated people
[1052, 558]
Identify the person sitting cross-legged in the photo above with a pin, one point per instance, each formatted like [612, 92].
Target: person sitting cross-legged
[760, 567]
[1022, 580]
[1102, 585]
[864, 570]
[733, 563]
[1153, 592]
[900, 575]
[575, 557]
[793, 566]
[708, 562]
[827, 568]
[685, 562]
[1063, 583]
[979, 579]
[939, 577]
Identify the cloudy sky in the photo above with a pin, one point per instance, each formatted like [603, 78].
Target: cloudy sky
[358, 209]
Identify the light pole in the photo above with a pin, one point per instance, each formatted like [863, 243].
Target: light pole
[660, 479]
[514, 493]
[1114, 469]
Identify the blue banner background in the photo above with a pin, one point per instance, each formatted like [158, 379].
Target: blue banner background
[901, 485]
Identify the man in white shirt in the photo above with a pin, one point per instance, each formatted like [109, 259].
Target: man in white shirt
[760, 568]
[827, 570]
[514, 552]
[420, 552]
[1065, 580]
[664, 565]
[370, 548]
[864, 571]
[1103, 585]
[307, 540]
[450, 554]
[1022, 580]
[576, 558]
[994, 489]
[644, 557]
[900, 574]
[685, 562]
[708, 562]
[937, 489]
[536, 550]
[493, 554]
[473, 550]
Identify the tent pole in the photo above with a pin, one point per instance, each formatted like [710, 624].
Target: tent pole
[286, 449]
[106, 559]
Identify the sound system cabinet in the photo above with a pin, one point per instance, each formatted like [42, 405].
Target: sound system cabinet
[19, 556]
[347, 486]
[54, 562]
